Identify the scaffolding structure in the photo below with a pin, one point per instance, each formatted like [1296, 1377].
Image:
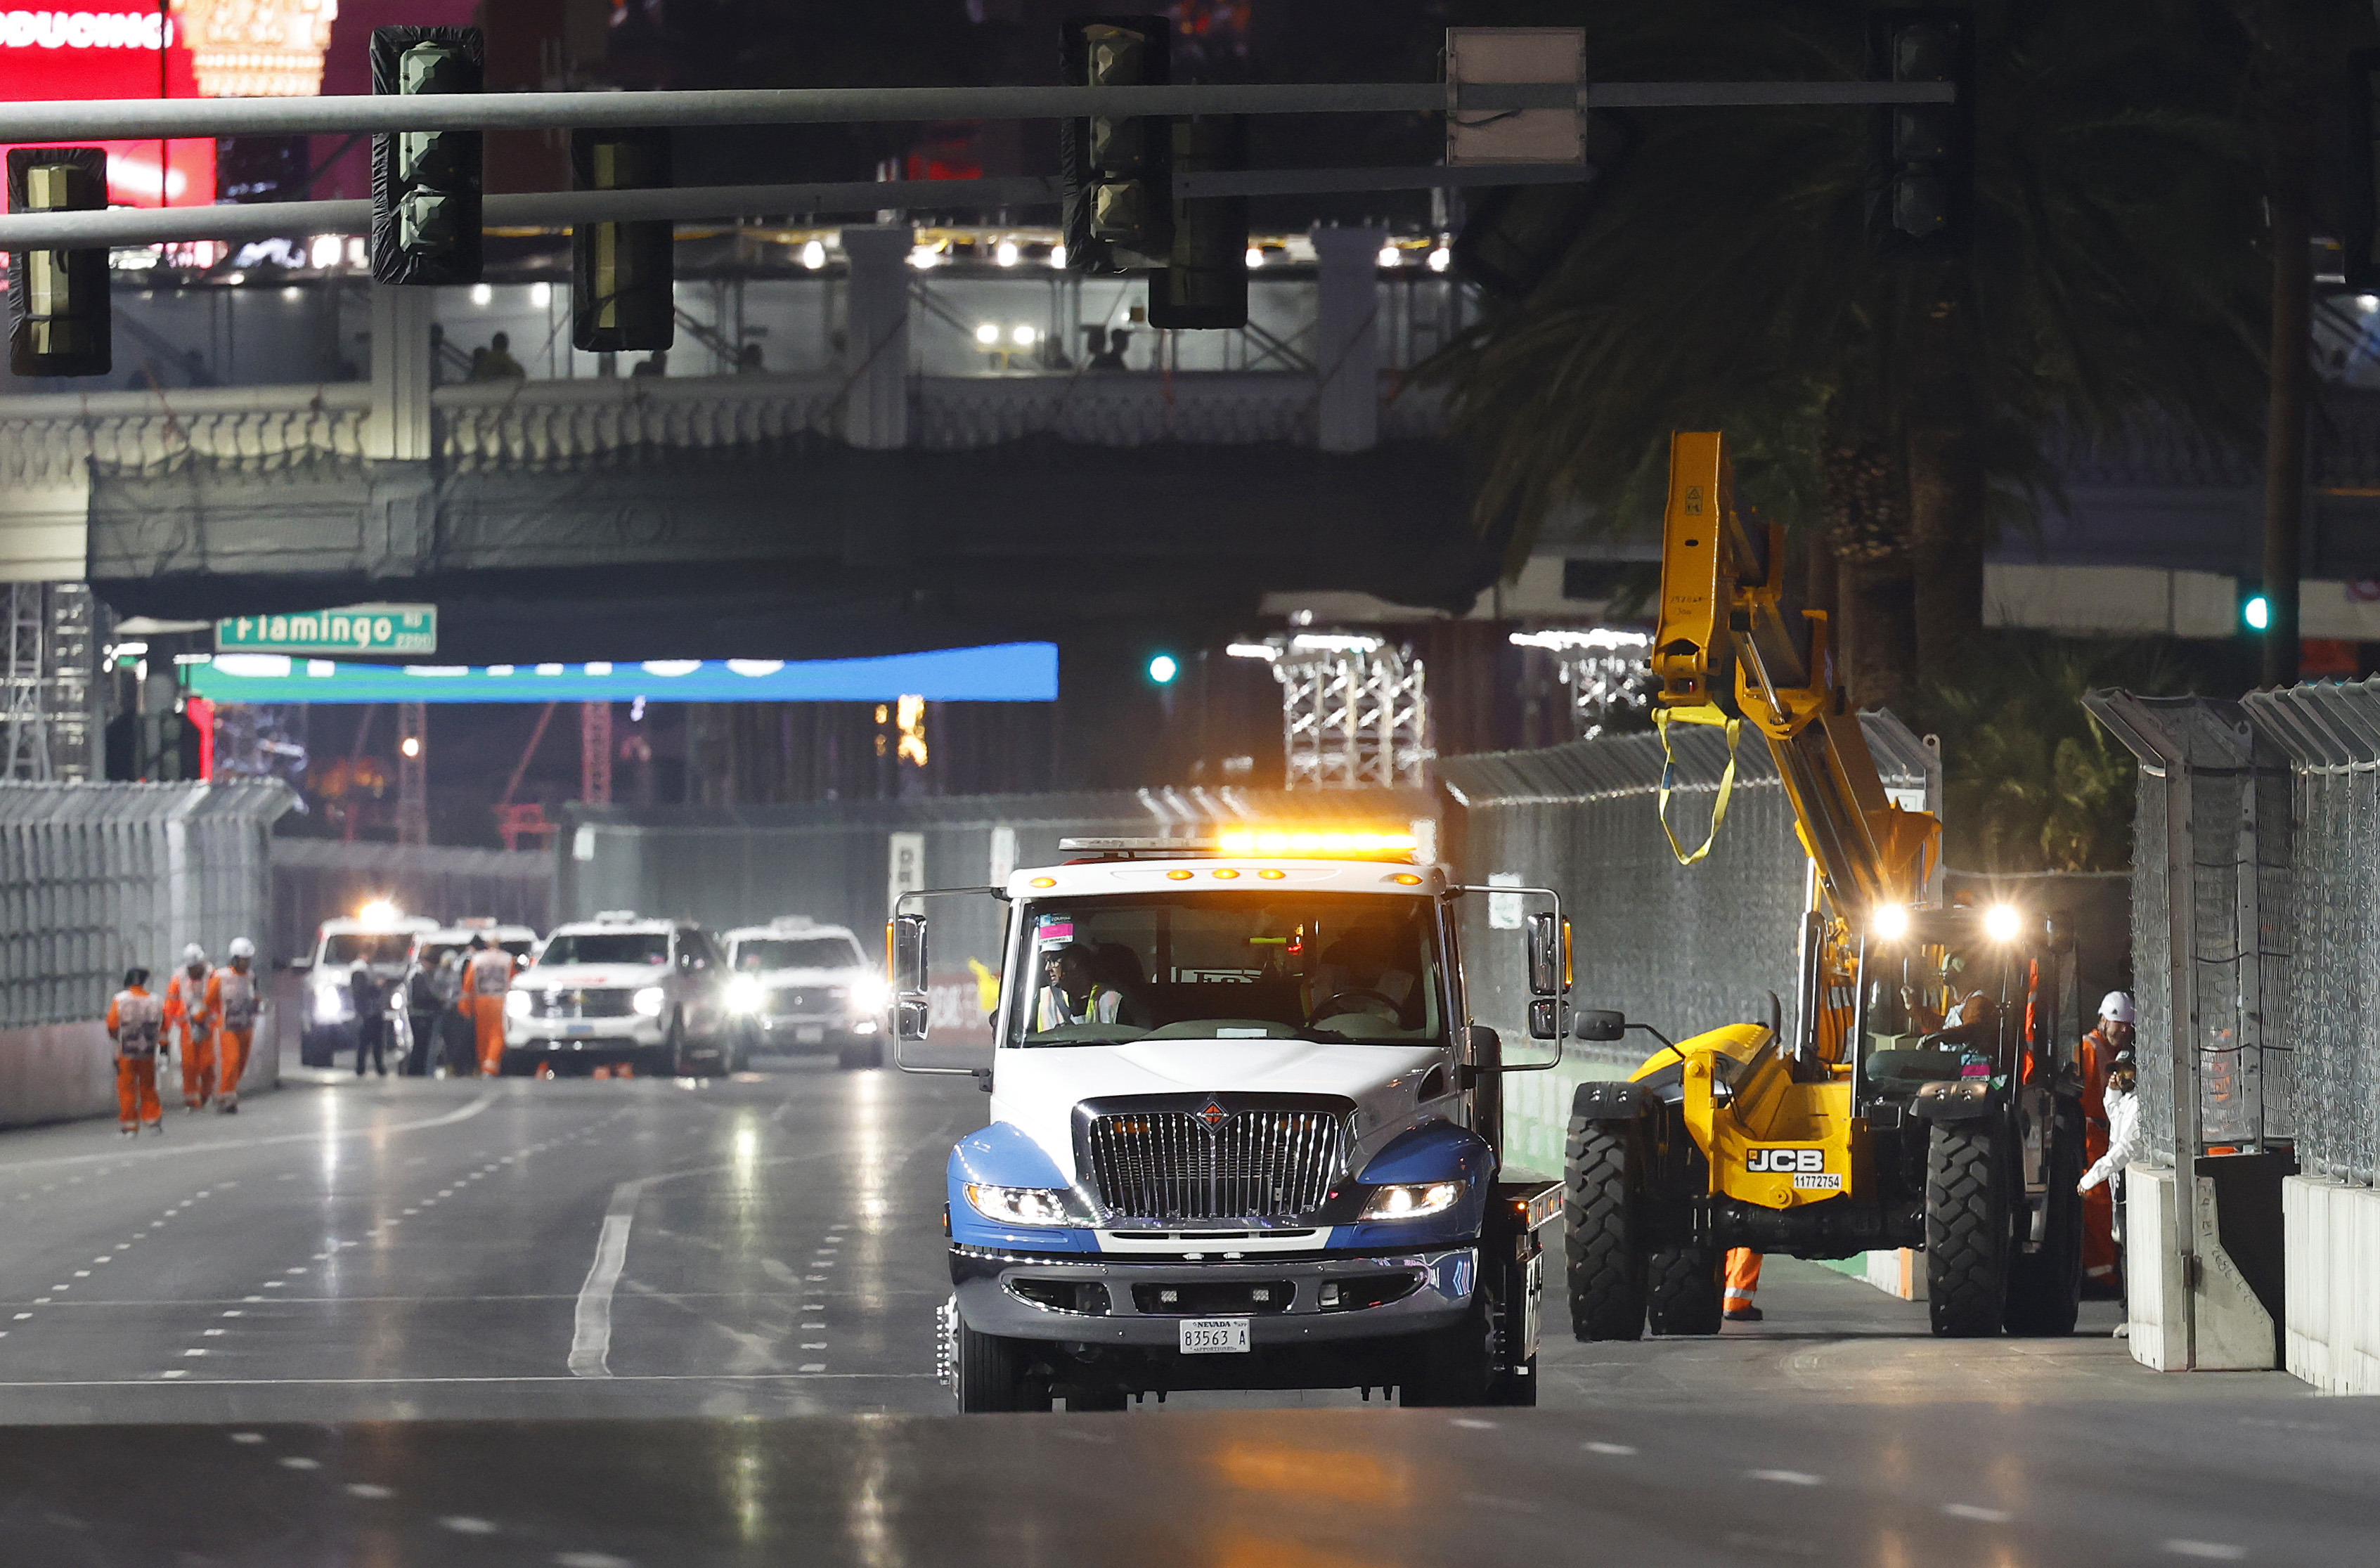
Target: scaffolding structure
[49, 686]
[1355, 711]
[1608, 673]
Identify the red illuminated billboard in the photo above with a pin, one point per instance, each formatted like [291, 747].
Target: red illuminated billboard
[113, 49]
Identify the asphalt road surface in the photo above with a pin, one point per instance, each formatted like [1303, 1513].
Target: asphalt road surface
[604, 1324]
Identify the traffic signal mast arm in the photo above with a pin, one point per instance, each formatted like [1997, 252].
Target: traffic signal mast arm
[1722, 578]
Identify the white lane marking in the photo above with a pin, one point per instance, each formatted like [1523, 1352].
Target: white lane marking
[177, 1372]
[463, 1524]
[820, 1345]
[299, 1461]
[1977, 1511]
[239, 1146]
[367, 1490]
[210, 1333]
[1793, 1478]
[813, 1367]
[1472, 1424]
[591, 1560]
[247, 1437]
[2218, 1551]
[590, 1333]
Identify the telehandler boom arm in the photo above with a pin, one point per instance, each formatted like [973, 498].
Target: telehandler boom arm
[1722, 579]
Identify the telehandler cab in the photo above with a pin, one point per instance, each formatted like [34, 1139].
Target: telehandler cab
[1923, 1093]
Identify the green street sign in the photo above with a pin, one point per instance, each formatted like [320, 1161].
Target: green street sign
[358, 628]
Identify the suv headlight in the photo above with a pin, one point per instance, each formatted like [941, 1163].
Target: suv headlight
[647, 1001]
[330, 1003]
[743, 994]
[868, 995]
[1413, 1201]
[1021, 1205]
[517, 1004]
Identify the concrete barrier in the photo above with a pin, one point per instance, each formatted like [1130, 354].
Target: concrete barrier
[2233, 1328]
[2333, 1329]
[67, 1072]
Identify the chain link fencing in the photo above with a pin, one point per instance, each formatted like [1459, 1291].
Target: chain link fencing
[1679, 948]
[97, 878]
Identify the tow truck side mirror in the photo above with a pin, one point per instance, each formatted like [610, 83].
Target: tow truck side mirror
[1546, 956]
[1600, 1023]
[1545, 1017]
[909, 969]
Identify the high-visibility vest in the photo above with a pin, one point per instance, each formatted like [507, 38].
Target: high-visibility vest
[134, 1019]
[186, 1002]
[232, 999]
[490, 972]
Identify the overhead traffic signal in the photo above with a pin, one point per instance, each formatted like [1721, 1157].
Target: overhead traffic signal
[1921, 197]
[2360, 191]
[426, 183]
[621, 275]
[1205, 282]
[57, 299]
[1119, 206]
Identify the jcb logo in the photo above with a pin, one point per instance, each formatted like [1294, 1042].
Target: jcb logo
[1784, 1162]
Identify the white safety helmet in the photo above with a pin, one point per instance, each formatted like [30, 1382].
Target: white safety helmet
[2117, 1007]
[194, 953]
[242, 948]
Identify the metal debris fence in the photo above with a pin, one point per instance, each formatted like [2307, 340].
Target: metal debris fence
[316, 878]
[2331, 737]
[95, 878]
[1682, 948]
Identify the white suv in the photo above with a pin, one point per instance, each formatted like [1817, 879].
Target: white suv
[801, 986]
[617, 989]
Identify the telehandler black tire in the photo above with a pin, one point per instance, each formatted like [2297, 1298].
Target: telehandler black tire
[1966, 1229]
[1603, 1178]
[2046, 1287]
[1683, 1290]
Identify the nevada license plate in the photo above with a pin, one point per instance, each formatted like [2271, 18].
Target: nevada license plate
[810, 1034]
[575, 1030]
[1214, 1336]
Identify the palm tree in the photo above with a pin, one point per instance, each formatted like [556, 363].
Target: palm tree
[1727, 282]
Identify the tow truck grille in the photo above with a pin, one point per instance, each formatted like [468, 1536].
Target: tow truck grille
[1247, 1165]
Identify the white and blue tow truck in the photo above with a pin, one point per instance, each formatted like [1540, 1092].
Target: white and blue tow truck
[1243, 1132]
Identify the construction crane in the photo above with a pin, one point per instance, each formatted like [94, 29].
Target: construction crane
[1921, 1095]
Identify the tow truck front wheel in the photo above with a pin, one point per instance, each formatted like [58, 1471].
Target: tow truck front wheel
[997, 1374]
[1454, 1366]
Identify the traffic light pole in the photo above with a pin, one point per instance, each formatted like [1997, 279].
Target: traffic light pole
[145, 118]
[564, 209]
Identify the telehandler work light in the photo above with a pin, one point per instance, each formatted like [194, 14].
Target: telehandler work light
[1889, 921]
[2003, 922]
[57, 299]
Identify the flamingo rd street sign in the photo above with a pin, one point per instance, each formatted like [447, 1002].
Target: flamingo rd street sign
[358, 628]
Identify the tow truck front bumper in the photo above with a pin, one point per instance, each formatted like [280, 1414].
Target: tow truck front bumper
[1098, 1301]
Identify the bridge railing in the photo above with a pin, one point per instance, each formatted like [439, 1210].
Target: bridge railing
[48, 441]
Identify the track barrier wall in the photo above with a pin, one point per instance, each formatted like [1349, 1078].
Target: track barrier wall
[97, 878]
[1681, 948]
[2257, 877]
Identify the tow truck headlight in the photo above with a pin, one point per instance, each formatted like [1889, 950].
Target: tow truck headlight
[647, 1001]
[744, 995]
[1413, 1201]
[330, 1003]
[517, 1004]
[1020, 1206]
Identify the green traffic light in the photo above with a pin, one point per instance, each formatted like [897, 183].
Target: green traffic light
[2256, 613]
[1163, 668]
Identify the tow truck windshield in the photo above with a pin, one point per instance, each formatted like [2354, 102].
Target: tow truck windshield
[607, 947]
[1237, 965]
[798, 952]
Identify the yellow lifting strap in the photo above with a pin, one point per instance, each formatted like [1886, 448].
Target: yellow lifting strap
[1708, 714]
